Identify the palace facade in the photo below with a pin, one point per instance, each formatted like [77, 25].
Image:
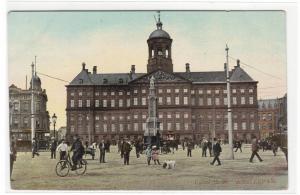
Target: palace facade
[190, 104]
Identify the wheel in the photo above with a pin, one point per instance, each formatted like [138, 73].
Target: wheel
[81, 167]
[62, 168]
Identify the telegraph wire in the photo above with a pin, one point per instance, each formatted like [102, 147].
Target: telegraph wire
[256, 69]
[52, 77]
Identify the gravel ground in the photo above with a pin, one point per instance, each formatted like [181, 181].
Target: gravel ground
[190, 173]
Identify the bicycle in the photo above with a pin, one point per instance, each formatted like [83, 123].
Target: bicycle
[64, 166]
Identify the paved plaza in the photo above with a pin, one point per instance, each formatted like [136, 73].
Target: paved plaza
[191, 173]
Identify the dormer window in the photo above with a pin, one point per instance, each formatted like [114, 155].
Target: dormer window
[80, 81]
[104, 81]
[121, 81]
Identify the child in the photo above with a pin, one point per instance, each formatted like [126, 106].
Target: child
[155, 153]
[148, 153]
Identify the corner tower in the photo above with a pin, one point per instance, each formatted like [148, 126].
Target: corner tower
[160, 50]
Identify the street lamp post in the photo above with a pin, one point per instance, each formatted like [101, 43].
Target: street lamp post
[54, 118]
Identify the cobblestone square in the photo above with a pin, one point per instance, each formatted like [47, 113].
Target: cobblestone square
[190, 173]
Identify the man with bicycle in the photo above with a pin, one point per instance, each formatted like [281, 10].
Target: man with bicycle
[78, 152]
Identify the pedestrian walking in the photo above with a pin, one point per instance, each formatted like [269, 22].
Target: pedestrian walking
[53, 148]
[255, 148]
[209, 146]
[34, 147]
[62, 148]
[126, 151]
[148, 153]
[238, 145]
[204, 147]
[274, 148]
[217, 150]
[189, 149]
[102, 148]
[155, 154]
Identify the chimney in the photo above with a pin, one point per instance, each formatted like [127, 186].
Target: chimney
[187, 68]
[132, 69]
[83, 65]
[238, 63]
[94, 69]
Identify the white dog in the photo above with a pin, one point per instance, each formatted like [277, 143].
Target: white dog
[169, 164]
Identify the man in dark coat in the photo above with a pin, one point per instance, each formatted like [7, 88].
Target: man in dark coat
[53, 148]
[217, 150]
[189, 148]
[126, 151]
[204, 147]
[209, 146]
[102, 148]
[13, 154]
[78, 152]
[35, 147]
[238, 145]
[255, 148]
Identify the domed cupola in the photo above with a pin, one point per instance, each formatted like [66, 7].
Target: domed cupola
[159, 47]
[37, 84]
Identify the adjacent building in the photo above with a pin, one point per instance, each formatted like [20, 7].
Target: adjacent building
[190, 104]
[20, 113]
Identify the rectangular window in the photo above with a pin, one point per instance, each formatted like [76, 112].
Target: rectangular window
[120, 103]
[72, 94]
[72, 129]
[120, 92]
[176, 90]
[193, 101]
[225, 101]
[177, 126]
[192, 91]
[177, 115]
[252, 125]
[200, 101]
[144, 116]
[169, 127]
[160, 115]
[135, 101]
[185, 90]
[104, 103]
[136, 126]
[208, 91]
[168, 100]
[144, 101]
[176, 100]
[169, 115]
[233, 90]
[160, 100]
[144, 126]
[129, 127]
[105, 127]
[96, 103]
[208, 101]
[243, 100]
[113, 118]
[79, 103]
[135, 91]
[104, 93]
[72, 103]
[160, 90]
[104, 117]
[186, 115]
[112, 103]
[185, 101]
[112, 93]
[135, 116]
[217, 91]
[244, 126]
[88, 103]
[121, 117]
[235, 126]
[80, 93]
[250, 90]
[200, 91]
[113, 127]
[143, 90]
[128, 102]
[242, 90]
[97, 118]
[121, 127]
[161, 126]
[186, 126]
[168, 90]
[250, 100]
[217, 101]
[128, 117]
[234, 100]
[128, 92]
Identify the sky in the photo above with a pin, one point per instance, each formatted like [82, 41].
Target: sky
[114, 40]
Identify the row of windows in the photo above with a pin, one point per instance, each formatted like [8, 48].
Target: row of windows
[144, 91]
[265, 116]
[166, 100]
[268, 126]
[163, 126]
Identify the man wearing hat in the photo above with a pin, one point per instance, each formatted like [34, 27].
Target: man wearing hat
[53, 148]
[126, 148]
[78, 151]
[217, 150]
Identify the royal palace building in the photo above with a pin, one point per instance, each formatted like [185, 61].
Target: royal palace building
[190, 104]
